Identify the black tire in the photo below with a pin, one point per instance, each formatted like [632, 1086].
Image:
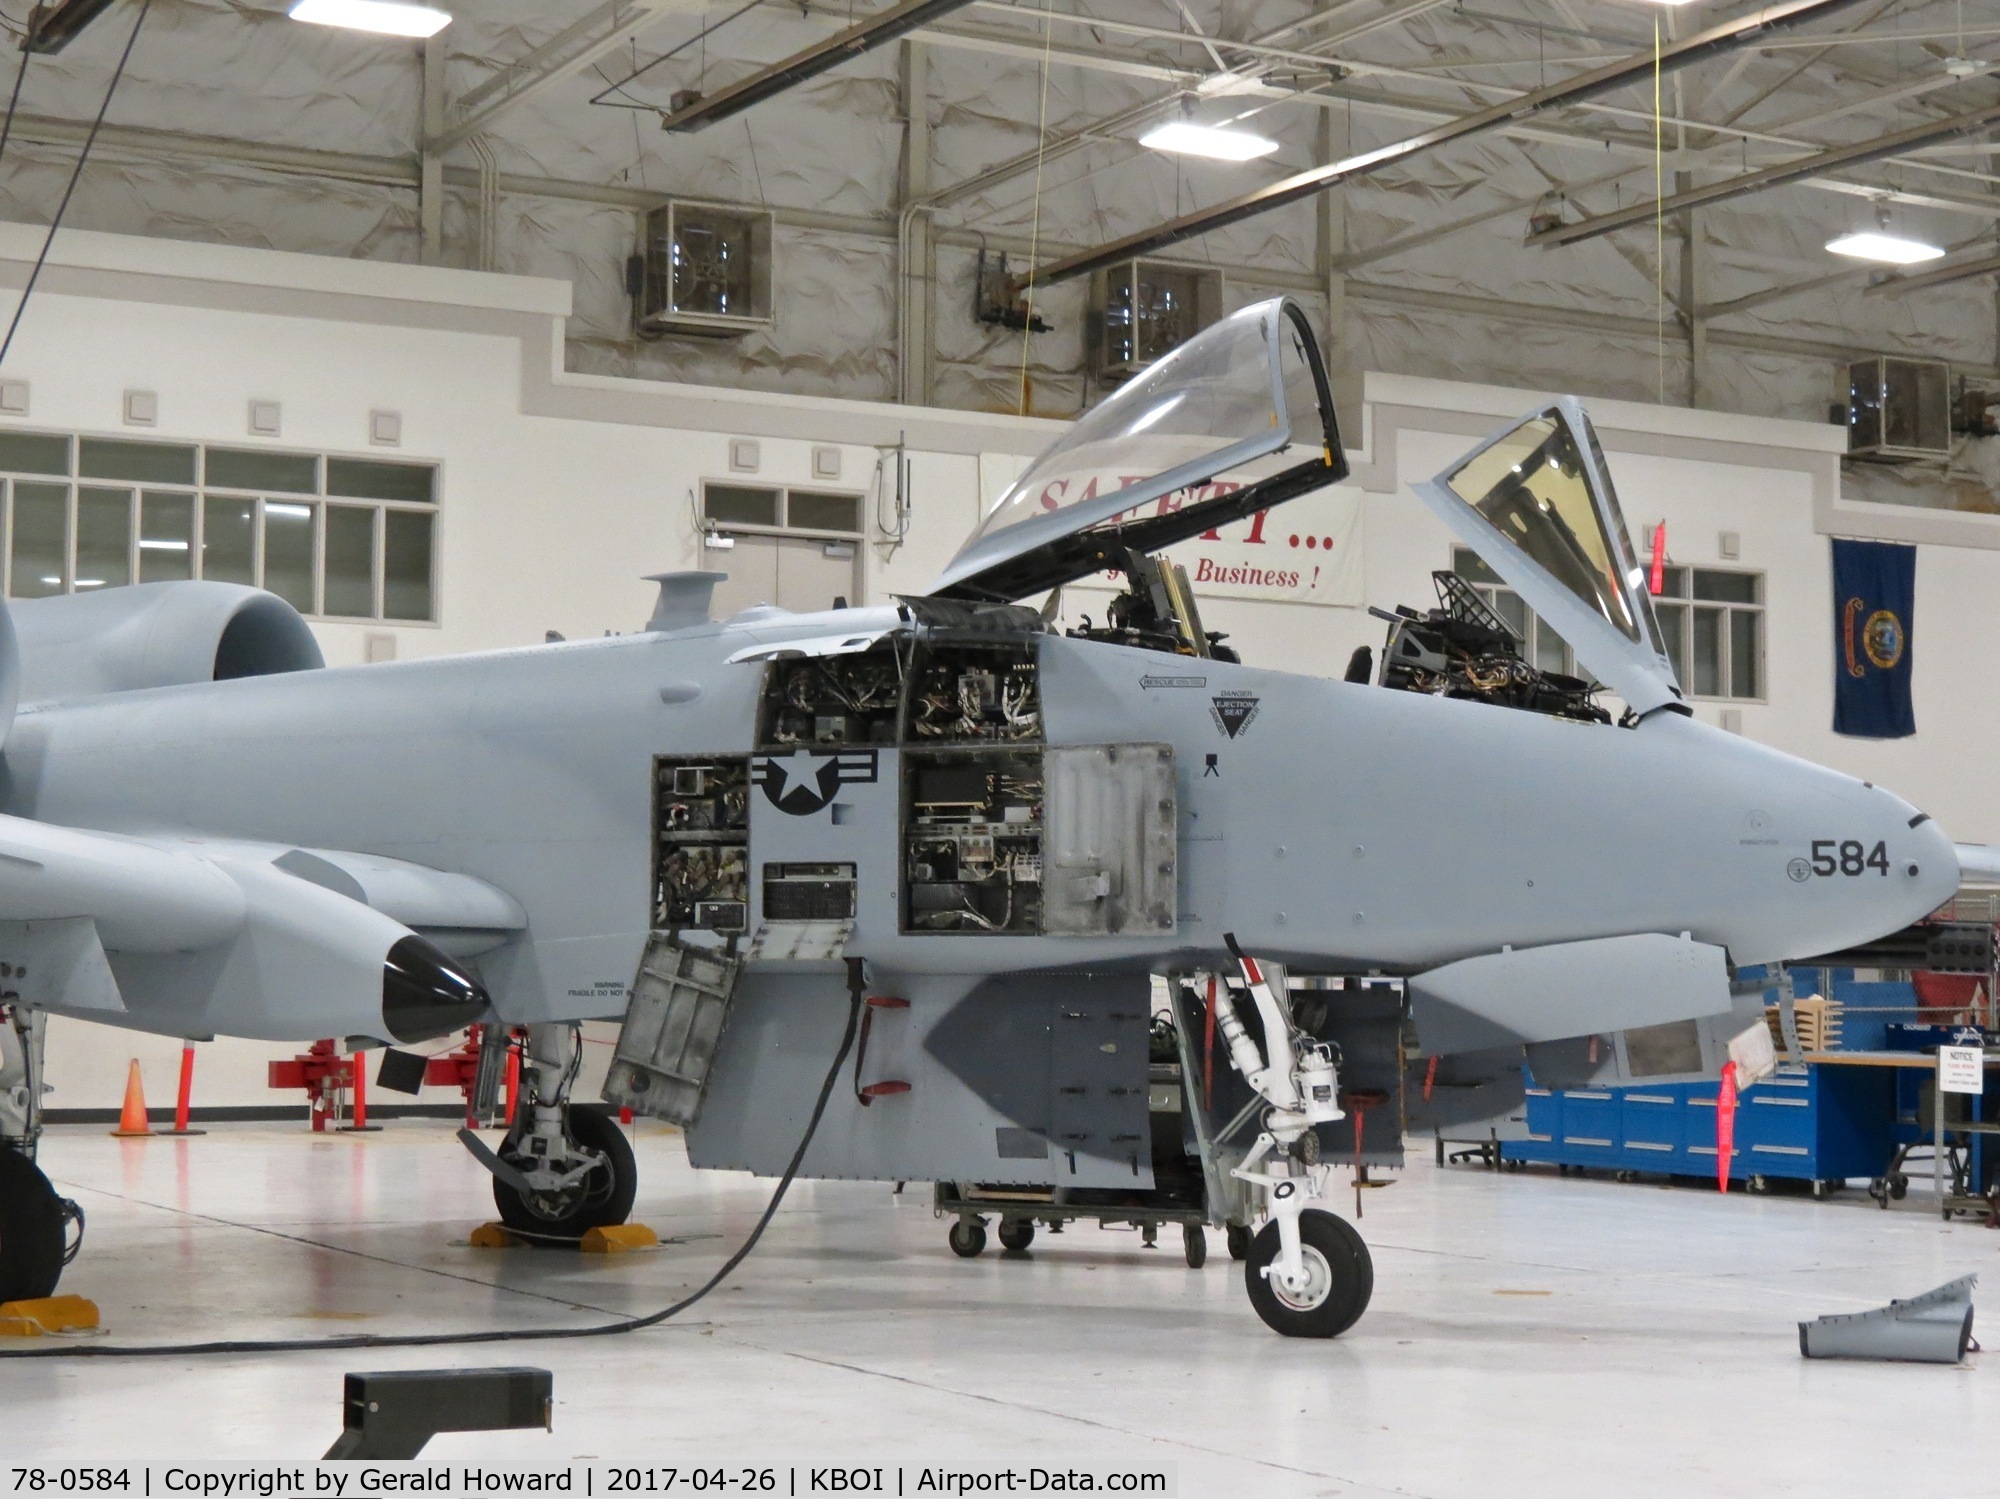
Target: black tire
[1237, 1237]
[1017, 1233]
[604, 1197]
[1342, 1257]
[1194, 1244]
[1899, 1187]
[968, 1238]
[31, 1230]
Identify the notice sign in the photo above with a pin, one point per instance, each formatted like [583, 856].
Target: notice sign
[1304, 551]
[1962, 1069]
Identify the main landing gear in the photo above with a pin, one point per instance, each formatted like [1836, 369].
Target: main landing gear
[1308, 1273]
[34, 1221]
[564, 1168]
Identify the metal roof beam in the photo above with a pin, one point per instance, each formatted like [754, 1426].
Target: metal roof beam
[567, 53]
[1818, 164]
[766, 83]
[1713, 42]
[1944, 275]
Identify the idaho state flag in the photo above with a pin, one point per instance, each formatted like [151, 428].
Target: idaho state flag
[1874, 594]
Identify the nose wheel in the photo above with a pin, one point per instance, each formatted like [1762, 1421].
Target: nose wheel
[1338, 1279]
[601, 1197]
[32, 1229]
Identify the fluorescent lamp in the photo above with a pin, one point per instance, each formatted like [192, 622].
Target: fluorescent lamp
[290, 512]
[1883, 247]
[384, 17]
[162, 546]
[1185, 138]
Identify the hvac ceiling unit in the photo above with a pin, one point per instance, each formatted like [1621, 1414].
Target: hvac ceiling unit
[1898, 410]
[1141, 309]
[707, 270]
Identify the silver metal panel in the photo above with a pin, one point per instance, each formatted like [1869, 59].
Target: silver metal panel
[666, 1048]
[847, 813]
[1108, 840]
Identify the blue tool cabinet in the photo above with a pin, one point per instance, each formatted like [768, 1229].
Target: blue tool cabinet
[1811, 1123]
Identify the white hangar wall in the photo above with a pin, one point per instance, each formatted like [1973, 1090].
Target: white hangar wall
[558, 490]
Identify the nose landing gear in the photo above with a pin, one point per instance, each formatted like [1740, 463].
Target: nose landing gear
[564, 1168]
[1308, 1272]
[34, 1221]
[1331, 1294]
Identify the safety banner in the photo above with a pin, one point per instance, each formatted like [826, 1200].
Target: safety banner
[1874, 597]
[1304, 551]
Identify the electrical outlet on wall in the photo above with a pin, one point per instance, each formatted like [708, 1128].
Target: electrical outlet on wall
[266, 418]
[142, 408]
[385, 428]
[13, 397]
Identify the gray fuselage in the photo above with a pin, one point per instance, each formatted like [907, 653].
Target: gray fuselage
[1340, 827]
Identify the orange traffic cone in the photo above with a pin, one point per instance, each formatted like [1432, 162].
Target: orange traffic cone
[132, 1118]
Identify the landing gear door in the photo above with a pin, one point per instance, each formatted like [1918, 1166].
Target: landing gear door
[1536, 503]
[1108, 856]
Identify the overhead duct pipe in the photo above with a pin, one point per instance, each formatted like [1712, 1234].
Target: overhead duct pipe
[1671, 57]
[1815, 165]
[864, 36]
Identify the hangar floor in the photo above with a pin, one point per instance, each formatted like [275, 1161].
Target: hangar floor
[1529, 1335]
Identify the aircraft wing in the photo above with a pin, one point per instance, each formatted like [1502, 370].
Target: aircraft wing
[203, 936]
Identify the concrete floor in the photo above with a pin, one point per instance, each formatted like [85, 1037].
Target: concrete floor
[1529, 1335]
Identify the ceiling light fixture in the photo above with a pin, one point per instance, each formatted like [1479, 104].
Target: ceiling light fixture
[1217, 142]
[1883, 245]
[1888, 249]
[383, 17]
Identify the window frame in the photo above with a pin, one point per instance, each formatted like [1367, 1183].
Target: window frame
[711, 527]
[1688, 604]
[1530, 645]
[199, 492]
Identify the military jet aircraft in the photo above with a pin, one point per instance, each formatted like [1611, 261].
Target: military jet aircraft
[1004, 839]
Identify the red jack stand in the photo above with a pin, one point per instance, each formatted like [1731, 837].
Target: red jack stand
[327, 1078]
[184, 1098]
[458, 1069]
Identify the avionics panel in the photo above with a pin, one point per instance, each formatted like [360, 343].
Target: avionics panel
[701, 843]
[972, 832]
[975, 692]
[832, 700]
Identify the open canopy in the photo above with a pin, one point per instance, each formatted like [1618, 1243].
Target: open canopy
[1536, 503]
[1245, 388]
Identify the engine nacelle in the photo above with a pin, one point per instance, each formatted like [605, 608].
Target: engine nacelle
[151, 635]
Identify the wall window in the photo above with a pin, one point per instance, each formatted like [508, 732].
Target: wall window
[1540, 645]
[1713, 622]
[337, 538]
[752, 507]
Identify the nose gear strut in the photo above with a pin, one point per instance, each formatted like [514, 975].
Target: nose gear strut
[1308, 1272]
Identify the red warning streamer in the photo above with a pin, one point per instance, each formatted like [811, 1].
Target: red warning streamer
[1658, 580]
[1725, 1125]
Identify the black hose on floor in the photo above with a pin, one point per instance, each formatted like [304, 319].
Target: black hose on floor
[855, 985]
